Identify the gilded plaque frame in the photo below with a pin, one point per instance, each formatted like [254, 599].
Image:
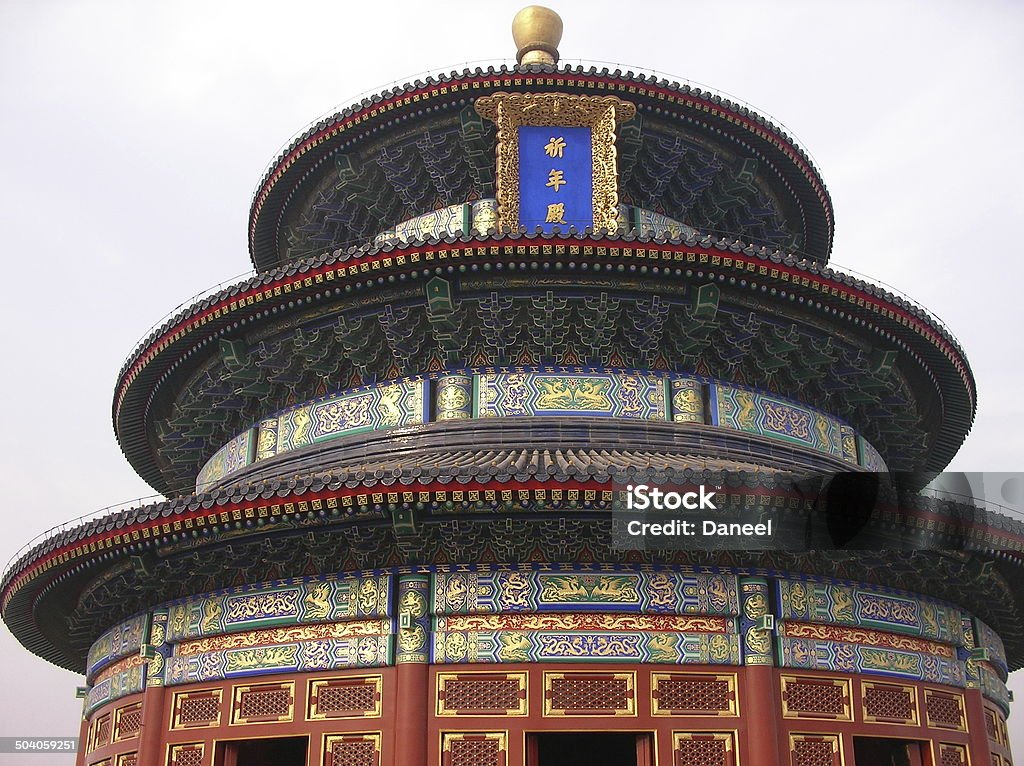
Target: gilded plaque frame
[510, 111]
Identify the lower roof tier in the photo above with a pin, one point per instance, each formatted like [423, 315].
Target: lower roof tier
[745, 317]
[60, 597]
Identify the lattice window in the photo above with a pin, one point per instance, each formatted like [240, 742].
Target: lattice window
[352, 750]
[814, 750]
[675, 694]
[815, 698]
[889, 702]
[992, 725]
[196, 709]
[129, 722]
[128, 759]
[186, 755]
[101, 732]
[351, 697]
[704, 749]
[944, 710]
[476, 749]
[589, 694]
[481, 694]
[263, 703]
[952, 755]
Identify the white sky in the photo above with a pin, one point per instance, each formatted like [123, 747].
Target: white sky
[133, 135]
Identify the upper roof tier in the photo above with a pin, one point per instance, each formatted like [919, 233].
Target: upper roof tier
[688, 154]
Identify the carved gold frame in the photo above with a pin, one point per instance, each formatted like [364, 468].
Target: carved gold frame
[237, 719]
[510, 111]
[316, 684]
[840, 683]
[909, 689]
[522, 709]
[179, 697]
[629, 677]
[370, 736]
[958, 698]
[730, 678]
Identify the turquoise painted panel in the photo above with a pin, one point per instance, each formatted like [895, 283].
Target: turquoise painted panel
[766, 415]
[841, 657]
[114, 688]
[989, 639]
[288, 603]
[569, 589]
[233, 456]
[326, 654]
[120, 641]
[869, 457]
[993, 688]
[590, 646]
[371, 408]
[441, 223]
[840, 604]
[618, 395]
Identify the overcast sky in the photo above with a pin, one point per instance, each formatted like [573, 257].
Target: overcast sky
[133, 135]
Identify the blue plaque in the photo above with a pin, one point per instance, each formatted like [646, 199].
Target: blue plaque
[556, 177]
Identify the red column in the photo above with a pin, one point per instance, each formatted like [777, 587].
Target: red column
[412, 671]
[151, 736]
[83, 742]
[411, 715]
[980, 751]
[759, 696]
[760, 710]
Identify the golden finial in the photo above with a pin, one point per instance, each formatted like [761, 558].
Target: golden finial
[537, 31]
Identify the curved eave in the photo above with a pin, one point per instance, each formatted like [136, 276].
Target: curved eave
[344, 275]
[661, 97]
[40, 591]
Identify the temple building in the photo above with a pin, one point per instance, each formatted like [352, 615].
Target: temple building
[483, 303]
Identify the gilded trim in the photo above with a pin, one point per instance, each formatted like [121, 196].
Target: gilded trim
[179, 697]
[866, 686]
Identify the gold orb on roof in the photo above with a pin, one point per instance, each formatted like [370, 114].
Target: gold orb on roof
[537, 31]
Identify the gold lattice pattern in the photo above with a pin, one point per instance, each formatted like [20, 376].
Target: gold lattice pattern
[991, 726]
[808, 698]
[101, 734]
[498, 693]
[944, 710]
[952, 755]
[889, 703]
[577, 693]
[128, 759]
[475, 752]
[346, 699]
[186, 755]
[129, 721]
[810, 750]
[349, 751]
[694, 695]
[263, 703]
[698, 750]
[197, 709]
